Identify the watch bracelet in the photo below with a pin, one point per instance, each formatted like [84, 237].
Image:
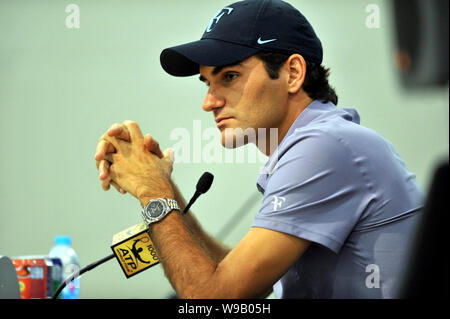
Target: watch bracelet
[173, 204]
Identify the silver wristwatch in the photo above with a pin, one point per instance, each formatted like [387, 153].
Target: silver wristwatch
[157, 209]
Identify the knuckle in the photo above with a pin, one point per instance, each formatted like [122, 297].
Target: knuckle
[129, 122]
[103, 138]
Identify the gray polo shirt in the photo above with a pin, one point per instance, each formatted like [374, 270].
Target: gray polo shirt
[344, 188]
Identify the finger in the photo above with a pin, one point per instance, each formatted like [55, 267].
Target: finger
[169, 159]
[152, 146]
[106, 184]
[110, 158]
[134, 130]
[119, 131]
[111, 140]
[169, 155]
[118, 188]
[103, 169]
[103, 147]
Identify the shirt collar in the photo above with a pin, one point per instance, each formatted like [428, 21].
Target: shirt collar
[311, 112]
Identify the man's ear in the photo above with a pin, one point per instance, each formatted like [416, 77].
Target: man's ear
[296, 66]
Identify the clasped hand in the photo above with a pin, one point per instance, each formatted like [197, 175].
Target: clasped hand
[134, 164]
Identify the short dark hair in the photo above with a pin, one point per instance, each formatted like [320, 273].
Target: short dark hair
[316, 79]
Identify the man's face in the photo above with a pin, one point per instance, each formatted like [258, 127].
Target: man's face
[245, 96]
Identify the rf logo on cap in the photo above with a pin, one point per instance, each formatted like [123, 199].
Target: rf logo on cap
[217, 17]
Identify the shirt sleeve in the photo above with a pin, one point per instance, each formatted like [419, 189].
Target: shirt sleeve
[316, 192]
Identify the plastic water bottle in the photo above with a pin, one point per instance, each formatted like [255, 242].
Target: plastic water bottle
[70, 265]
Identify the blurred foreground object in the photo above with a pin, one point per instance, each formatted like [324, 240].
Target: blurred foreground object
[427, 276]
[422, 42]
[9, 284]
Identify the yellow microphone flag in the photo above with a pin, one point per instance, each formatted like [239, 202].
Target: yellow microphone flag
[134, 250]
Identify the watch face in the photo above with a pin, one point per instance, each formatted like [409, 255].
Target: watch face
[155, 209]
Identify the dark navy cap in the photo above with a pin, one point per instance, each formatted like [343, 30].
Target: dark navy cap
[241, 30]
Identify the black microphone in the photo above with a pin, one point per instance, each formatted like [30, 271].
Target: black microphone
[203, 185]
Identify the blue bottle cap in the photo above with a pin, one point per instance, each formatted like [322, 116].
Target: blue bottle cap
[63, 240]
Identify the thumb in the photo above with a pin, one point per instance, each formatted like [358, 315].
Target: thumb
[168, 159]
[169, 155]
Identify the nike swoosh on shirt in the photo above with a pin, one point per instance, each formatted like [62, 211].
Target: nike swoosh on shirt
[265, 41]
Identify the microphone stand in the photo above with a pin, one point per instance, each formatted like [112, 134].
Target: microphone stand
[82, 271]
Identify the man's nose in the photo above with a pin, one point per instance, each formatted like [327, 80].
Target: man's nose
[212, 101]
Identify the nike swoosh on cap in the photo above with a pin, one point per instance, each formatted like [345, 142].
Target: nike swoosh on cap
[260, 41]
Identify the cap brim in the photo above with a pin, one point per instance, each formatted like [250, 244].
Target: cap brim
[185, 60]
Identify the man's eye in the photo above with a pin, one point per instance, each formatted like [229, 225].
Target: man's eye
[230, 76]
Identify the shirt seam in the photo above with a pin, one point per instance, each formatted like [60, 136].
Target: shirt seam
[353, 161]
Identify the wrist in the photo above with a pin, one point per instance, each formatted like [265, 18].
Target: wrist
[144, 201]
[145, 194]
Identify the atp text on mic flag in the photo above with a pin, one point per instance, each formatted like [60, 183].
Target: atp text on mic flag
[134, 250]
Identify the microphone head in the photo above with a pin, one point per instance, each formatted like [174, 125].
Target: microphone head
[204, 183]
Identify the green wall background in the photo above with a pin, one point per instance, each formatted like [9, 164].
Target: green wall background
[60, 89]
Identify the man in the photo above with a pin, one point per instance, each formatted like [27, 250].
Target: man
[339, 205]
